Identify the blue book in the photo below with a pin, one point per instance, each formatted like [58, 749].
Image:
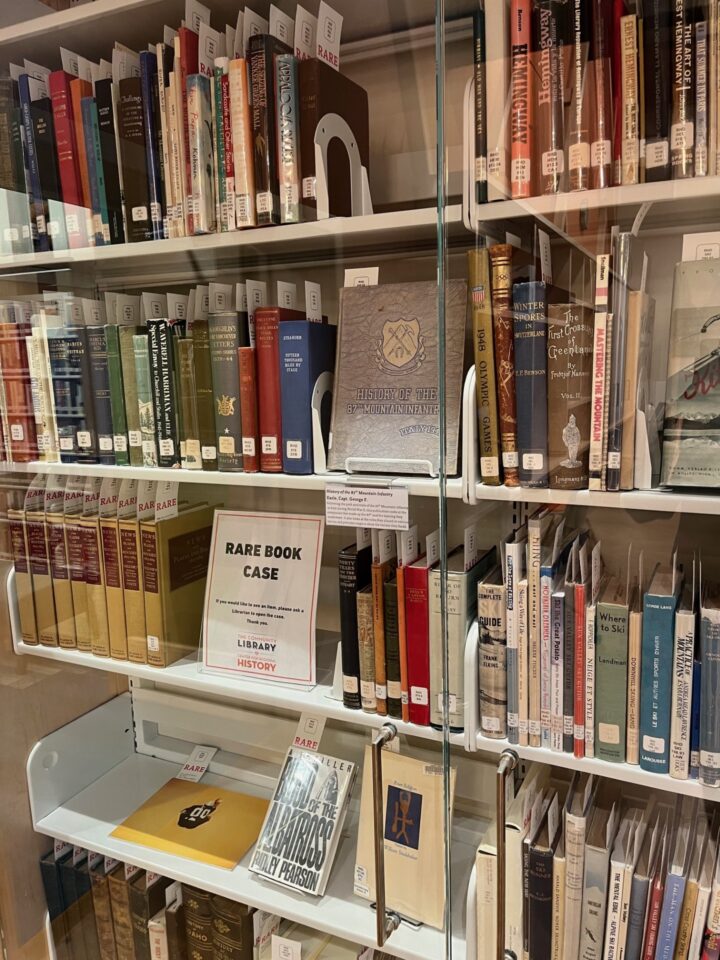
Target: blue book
[30, 89]
[307, 350]
[709, 691]
[151, 122]
[530, 339]
[550, 564]
[98, 198]
[670, 916]
[658, 635]
[695, 722]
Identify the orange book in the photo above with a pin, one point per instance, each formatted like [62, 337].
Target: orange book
[79, 89]
[522, 100]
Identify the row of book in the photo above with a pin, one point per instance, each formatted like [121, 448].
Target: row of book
[577, 661]
[192, 380]
[205, 131]
[602, 873]
[593, 93]
[558, 384]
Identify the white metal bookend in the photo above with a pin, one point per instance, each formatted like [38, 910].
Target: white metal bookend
[333, 126]
[470, 470]
[323, 385]
[471, 680]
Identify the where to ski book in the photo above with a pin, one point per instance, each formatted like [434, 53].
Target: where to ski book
[300, 835]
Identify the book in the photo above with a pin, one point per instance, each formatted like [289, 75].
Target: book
[493, 654]
[146, 893]
[413, 813]
[501, 284]
[577, 812]
[630, 149]
[635, 660]
[618, 9]
[519, 814]
[96, 175]
[101, 906]
[700, 47]
[583, 589]
[68, 156]
[269, 376]
[247, 366]
[157, 935]
[514, 573]
[106, 100]
[485, 382]
[132, 584]
[146, 407]
[543, 844]
[548, 39]
[617, 364]
[682, 116]
[417, 620]
[480, 105]
[578, 130]
[197, 910]
[385, 397]
[541, 525]
[202, 362]
[657, 44]
[232, 928]
[168, 821]
[498, 84]
[120, 906]
[621, 863]
[353, 575]
[709, 715]
[126, 334]
[100, 383]
[530, 328]
[242, 143]
[175, 927]
[52, 886]
[117, 396]
[486, 889]
[600, 353]
[601, 833]
[164, 400]
[187, 419]
[366, 649]
[39, 562]
[306, 352]
[153, 150]
[114, 594]
[382, 568]
[522, 138]
[558, 901]
[704, 887]
[18, 393]
[659, 604]
[262, 52]
[569, 388]
[187, 65]
[682, 685]
[688, 455]
[676, 880]
[60, 573]
[557, 666]
[32, 90]
[287, 115]
[392, 646]
[76, 560]
[601, 144]
[552, 565]
[313, 789]
[225, 212]
[201, 197]
[642, 878]
[324, 90]
[133, 159]
[23, 576]
[611, 652]
[79, 89]
[638, 348]
[694, 861]
[225, 335]
[572, 575]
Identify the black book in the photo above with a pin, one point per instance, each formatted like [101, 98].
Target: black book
[263, 50]
[162, 362]
[44, 133]
[354, 571]
[50, 873]
[100, 396]
[86, 910]
[133, 158]
[540, 888]
[86, 435]
[479, 61]
[73, 917]
[657, 46]
[682, 123]
[108, 150]
[392, 648]
[197, 907]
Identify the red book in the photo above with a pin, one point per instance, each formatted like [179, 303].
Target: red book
[18, 393]
[249, 409]
[522, 103]
[79, 89]
[67, 153]
[579, 698]
[267, 351]
[188, 66]
[652, 924]
[417, 634]
[711, 945]
[619, 11]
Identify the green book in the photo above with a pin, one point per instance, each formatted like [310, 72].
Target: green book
[204, 393]
[146, 411]
[392, 648]
[187, 405]
[117, 398]
[611, 669]
[132, 413]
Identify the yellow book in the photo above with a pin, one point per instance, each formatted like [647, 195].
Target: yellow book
[133, 594]
[198, 821]
[95, 585]
[175, 553]
[74, 547]
[114, 598]
[41, 578]
[62, 587]
[23, 577]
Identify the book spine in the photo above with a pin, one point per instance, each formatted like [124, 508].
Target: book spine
[68, 159]
[579, 134]
[134, 598]
[616, 13]
[480, 105]
[545, 654]
[110, 539]
[163, 394]
[540, 898]
[392, 649]
[557, 671]
[521, 119]
[709, 717]
[418, 643]
[482, 327]
[267, 356]
[62, 590]
[656, 682]
[188, 64]
[103, 915]
[569, 669]
[228, 151]
[23, 579]
[176, 214]
[117, 398]
[670, 915]
[607, 396]
[263, 131]
[630, 150]
[100, 380]
[42, 410]
[152, 591]
[523, 665]
[204, 392]
[656, 65]
[18, 392]
[687, 915]
[130, 395]
[682, 127]
[151, 122]
[695, 720]
[198, 923]
[501, 276]
[601, 146]
[37, 207]
[202, 198]
[530, 340]
[575, 826]
[242, 139]
[122, 922]
[76, 562]
[611, 683]
[296, 389]
[701, 98]
[146, 412]
[459, 587]
[402, 646]
[499, 92]
[549, 121]
[249, 409]
[378, 576]
[133, 159]
[95, 210]
[221, 204]
[512, 577]
[94, 155]
[558, 909]
[366, 650]
[600, 350]
[534, 556]
[188, 429]
[224, 342]
[288, 137]
[349, 642]
[492, 651]
[698, 927]
[95, 588]
[165, 57]
[79, 89]
[632, 749]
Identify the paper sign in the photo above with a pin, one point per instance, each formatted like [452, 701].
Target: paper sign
[305, 34]
[545, 257]
[379, 508]
[60, 849]
[241, 298]
[261, 595]
[197, 763]
[309, 732]
[253, 23]
[221, 295]
[361, 277]
[286, 294]
[69, 62]
[166, 499]
[281, 25]
[284, 949]
[701, 246]
[313, 301]
[363, 537]
[329, 28]
[256, 297]
[195, 14]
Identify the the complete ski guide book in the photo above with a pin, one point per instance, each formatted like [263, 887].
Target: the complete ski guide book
[261, 596]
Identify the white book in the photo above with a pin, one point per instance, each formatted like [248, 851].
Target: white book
[497, 43]
[577, 812]
[558, 904]
[616, 883]
[599, 843]
[242, 144]
[176, 223]
[705, 885]
[486, 886]
[523, 666]
[539, 524]
[157, 934]
[681, 698]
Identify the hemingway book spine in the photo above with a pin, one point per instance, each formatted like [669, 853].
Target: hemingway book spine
[110, 539]
[682, 125]
[263, 50]
[151, 123]
[68, 158]
[163, 392]
[133, 159]
[101, 219]
[130, 395]
[60, 571]
[267, 354]
[601, 146]
[366, 649]
[630, 102]
[117, 397]
[657, 44]
[204, 393]
[242, 143]
[39, 559]
[549, 145]
[202, 194]
[23, 577]
[392, 648]
[288, 136]
[109, 156]
[249, 409]
[349, 584]
[18, 391]
[530, 340]
[224, 335]
[146, 411]
[133, 595]
[521, 119]
[100, 381]
[501, 283]
[579, 116]
[480, 104]
[485, 381]
[569, 389]
[493, 667]
[417, 625]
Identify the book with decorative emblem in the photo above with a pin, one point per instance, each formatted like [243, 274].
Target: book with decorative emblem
[224, 331]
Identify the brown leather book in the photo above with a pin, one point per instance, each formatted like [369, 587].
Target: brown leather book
[198, 923]
[232, 929]
[103, 911]
[122, 922]
[147, 897]
[267, 320]
[322, 91]
[569, 380]
[18, 393]
[175, 926]
[501, 281]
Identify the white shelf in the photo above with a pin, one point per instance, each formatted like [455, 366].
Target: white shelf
[661, 501]
[417, 486]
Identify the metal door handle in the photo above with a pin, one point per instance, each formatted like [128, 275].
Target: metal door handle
[508, 761]
[387, 921]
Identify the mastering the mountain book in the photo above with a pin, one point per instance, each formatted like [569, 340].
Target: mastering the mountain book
[310, 802]
[385, 401]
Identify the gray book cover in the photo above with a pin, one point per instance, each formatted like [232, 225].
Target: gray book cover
[691, 438]
[385, 405]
